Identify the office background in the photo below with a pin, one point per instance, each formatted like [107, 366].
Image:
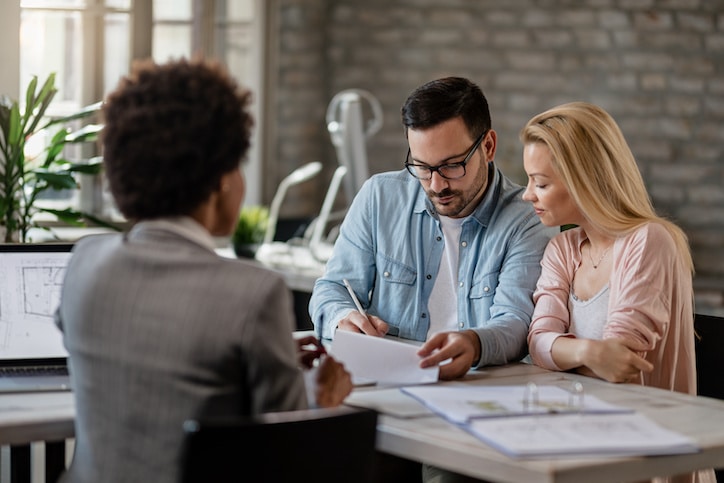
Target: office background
[656, 65]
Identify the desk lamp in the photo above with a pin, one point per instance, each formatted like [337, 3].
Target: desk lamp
[299, 175]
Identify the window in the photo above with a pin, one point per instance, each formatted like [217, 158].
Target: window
[90, 44]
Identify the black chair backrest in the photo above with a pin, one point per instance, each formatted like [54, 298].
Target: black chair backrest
[710, 360]
[335, 445]
[709, 355]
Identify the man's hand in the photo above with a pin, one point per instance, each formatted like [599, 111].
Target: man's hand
[615, 360]
[462, 347]
[366, 324]
[334, 383]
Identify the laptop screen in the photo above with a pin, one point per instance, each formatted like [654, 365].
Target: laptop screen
[31, 276]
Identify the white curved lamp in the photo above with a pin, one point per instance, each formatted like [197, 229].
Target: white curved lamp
[299, 175]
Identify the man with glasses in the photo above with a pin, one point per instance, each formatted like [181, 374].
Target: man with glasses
[444, 251]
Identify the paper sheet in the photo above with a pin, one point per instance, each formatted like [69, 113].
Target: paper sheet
[461, 404]
[382, 360]
[571, 435]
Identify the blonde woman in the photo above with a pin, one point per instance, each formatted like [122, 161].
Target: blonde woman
[614, 299]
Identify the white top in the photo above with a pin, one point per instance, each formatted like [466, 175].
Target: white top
[443, 299]
[588, 317]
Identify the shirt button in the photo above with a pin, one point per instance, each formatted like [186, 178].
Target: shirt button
[428, 276]
[486, 289]
[424, 315]
[386, 274]
[464, 243]
[461, 325]
[438, 238]
[460, 284]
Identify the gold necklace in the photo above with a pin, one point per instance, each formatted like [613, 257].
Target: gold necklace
[605, 252]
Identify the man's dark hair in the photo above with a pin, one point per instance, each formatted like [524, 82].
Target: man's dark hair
[171, 131]
[444, 99]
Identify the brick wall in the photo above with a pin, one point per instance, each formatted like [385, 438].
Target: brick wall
[656, 65]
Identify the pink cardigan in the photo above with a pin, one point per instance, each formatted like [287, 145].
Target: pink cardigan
[650, 301]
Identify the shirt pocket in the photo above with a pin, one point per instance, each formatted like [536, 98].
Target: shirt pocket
[484, 286]
[395, 293]
[394, 272]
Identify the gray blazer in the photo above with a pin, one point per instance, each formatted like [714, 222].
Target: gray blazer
[160, 329]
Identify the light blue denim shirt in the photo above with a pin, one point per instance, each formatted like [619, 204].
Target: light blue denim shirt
[390, 246]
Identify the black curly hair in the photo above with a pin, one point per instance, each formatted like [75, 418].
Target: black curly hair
[171, 131]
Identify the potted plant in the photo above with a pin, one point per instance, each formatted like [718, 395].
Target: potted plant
[22, 177]
[250, 230]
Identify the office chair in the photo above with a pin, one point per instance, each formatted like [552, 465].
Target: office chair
[710, 360]
[318, 445]
[709, 355]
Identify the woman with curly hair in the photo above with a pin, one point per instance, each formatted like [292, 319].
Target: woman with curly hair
[158, 327]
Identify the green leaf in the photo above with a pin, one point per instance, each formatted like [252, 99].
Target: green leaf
[57, 143]
[77, 218]
[30, 97]
[83, 168]
[36, 106]
[14, 132]
[84, 134]
[71, 217]
[83, 113]
[56, 180]
[48, 90]
[5, 105]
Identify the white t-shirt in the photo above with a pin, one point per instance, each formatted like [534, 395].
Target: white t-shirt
[443, 305]
[589, 317]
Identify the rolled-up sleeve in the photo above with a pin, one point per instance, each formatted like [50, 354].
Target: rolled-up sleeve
[551, 318]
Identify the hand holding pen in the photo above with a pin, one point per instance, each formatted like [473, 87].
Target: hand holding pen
[359, 320]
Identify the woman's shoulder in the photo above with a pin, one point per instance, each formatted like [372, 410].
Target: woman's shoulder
[651, 234]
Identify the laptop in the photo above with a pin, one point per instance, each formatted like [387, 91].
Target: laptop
[32, 355]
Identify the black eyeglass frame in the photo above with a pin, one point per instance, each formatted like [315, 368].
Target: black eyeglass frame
[436, 169]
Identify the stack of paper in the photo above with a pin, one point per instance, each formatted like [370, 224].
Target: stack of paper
[461, 404]
[572, 435]
[384, 361]
[551, 422]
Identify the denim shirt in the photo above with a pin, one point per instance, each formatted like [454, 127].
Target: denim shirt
[390, 246]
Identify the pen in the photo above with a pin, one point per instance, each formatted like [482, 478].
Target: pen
[320, 337]
[354, 297]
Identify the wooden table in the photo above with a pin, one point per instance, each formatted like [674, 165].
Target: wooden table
[408, 430]
[30, 417]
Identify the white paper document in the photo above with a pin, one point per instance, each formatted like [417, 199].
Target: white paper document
[382, 360]
[571, 435]
[461, 404]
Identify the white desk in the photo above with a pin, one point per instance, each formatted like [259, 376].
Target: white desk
[424, 437]
[299, 276]
[30, 417]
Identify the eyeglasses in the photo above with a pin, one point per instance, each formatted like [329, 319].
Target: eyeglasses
[447, 171]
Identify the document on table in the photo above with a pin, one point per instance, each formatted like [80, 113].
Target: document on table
[572, 435]
[384, 361]
[460, 404]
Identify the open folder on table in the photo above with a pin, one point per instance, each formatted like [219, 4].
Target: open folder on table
[460, 404]
[575, 435]
[549, 421]
[380, 360]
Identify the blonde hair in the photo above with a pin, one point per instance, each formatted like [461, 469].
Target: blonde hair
[592, 158]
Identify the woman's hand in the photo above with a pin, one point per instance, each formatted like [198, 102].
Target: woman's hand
[334, 383]
[615, 360]
[307, 356]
